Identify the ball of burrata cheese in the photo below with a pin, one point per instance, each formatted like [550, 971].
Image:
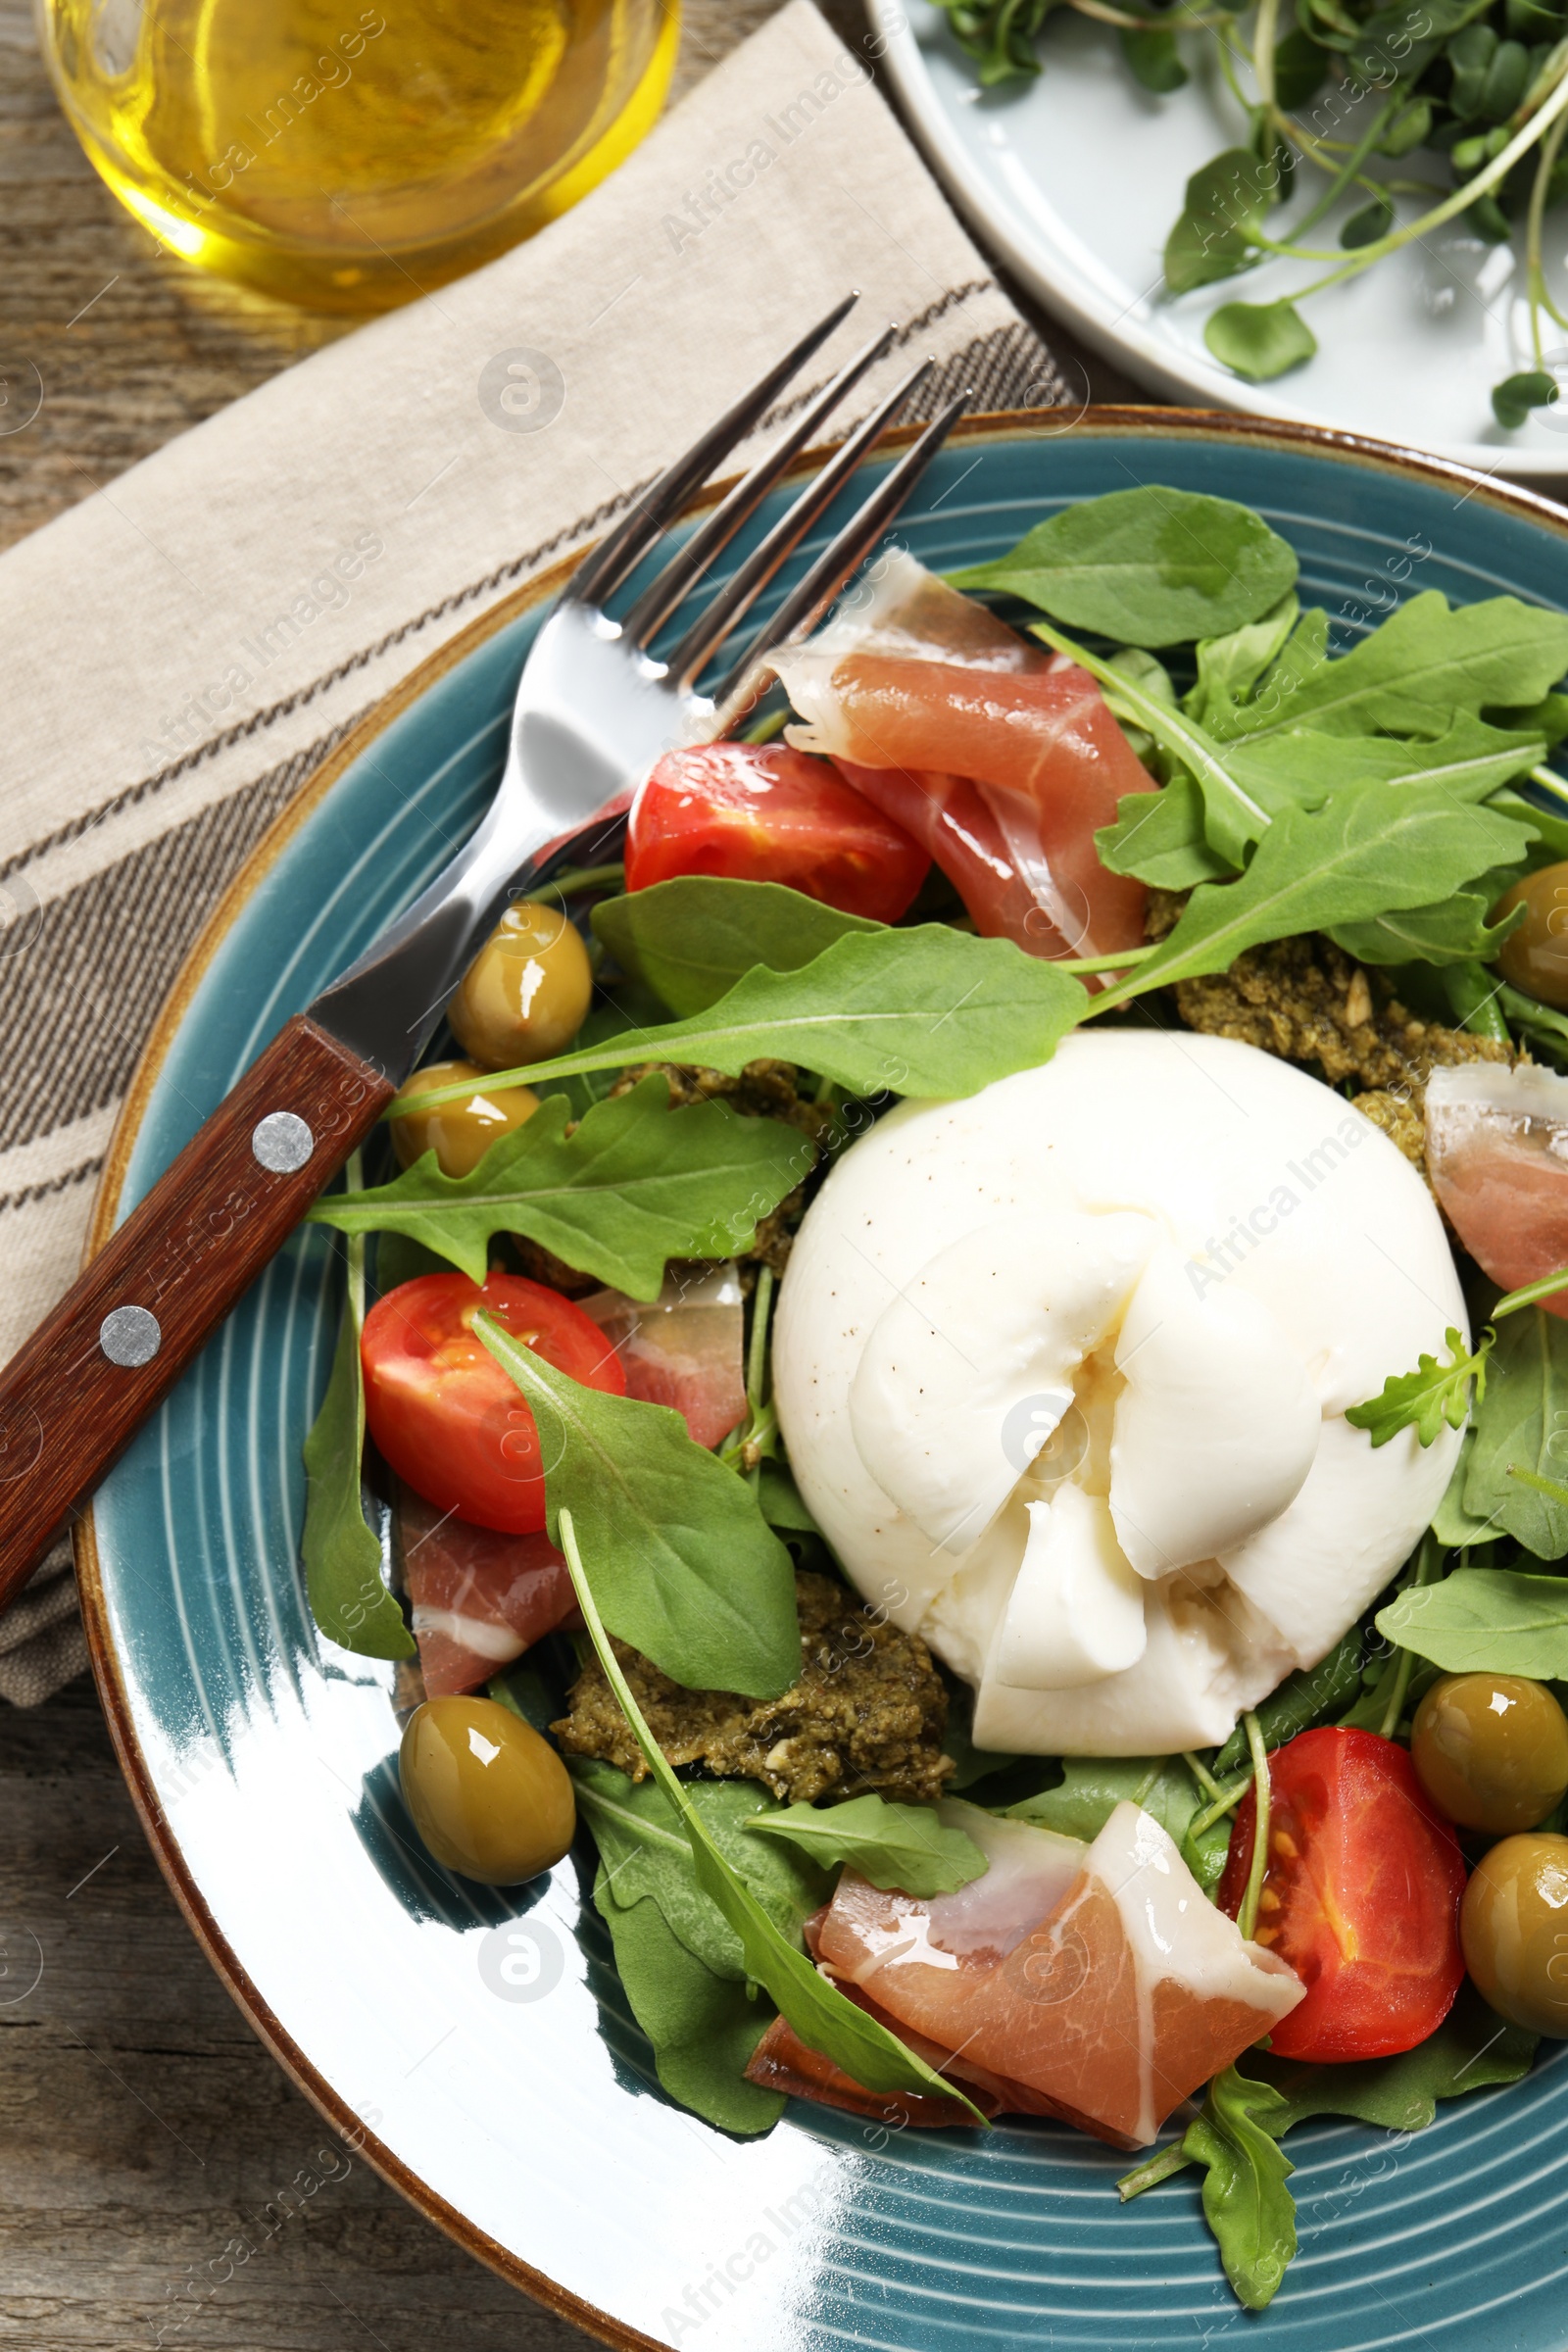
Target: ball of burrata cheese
[1062, 1370]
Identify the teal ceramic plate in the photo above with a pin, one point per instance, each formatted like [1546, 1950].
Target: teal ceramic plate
[477, 2045]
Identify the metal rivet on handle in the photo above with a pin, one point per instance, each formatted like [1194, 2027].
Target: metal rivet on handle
[282, 1143]
[130, 1335]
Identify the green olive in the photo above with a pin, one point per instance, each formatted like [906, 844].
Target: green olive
[1491, 1750]
[488, 1795]
[525, 993]
[1535, 958]
[1513, 1925]
[459, 1132]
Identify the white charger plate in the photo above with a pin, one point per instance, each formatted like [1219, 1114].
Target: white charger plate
[1073, 183]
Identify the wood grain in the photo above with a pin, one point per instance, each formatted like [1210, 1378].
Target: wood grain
[209, 1225]
[145, 2126]
[132, 346]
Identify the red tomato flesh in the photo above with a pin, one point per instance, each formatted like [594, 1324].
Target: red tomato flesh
[1361, 1895]
[761, 812]
[441, 1410]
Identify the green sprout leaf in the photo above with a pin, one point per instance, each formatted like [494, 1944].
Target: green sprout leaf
[1222, 216]
[1151, 53]
[1366, 227]
[636, 1183]
[1513, 399]
[1259, 340]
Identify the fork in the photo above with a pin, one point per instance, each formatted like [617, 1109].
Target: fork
[595, 708]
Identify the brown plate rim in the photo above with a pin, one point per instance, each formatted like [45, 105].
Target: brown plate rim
[992, 426]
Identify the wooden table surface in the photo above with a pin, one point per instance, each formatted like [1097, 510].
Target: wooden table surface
[144, 2125]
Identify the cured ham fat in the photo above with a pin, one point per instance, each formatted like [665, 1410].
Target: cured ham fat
[1497, 1156]
[1099, 1981]
[480, 1598]
[685, 1349]
[1001, 760]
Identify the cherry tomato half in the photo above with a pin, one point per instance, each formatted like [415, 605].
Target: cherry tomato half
[761, 812]
[442, 1411]
[1361, 1895]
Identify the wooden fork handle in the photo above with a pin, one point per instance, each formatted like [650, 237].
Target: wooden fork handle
[77, 1392]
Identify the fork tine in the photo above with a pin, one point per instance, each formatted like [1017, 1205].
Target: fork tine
[688, 564]
[615, 555]
[806, 603]
[736, 598]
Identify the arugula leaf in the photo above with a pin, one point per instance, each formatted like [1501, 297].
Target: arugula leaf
[1146, 566]
[1466, 2053]
[1549, 821]
[1374, 846]
[690, 1572]
[349, 1600]
[1302, 656]
[1307, 1696]
[1221, 219]
[1206, 1851]
[971, 1763]
[926, 1011]
[1230, 667]
[691, 939]
[1423, 1399]
[1232, 818]
[1423, 659]
[1485, 1621]
[1452, 1524]
[1093, 1787]
[1305, 765]
[1540, 1023]
[648, 1856]
[1159, 838]
[819, 2013]
[703, 2024]
[781, 1500]
[904, 1846]
[1245, 2201]
[1471, 2050]
[680, 1963]
[628, 1011]
[1455, 930]
[637, 1183]
[1518, 1422]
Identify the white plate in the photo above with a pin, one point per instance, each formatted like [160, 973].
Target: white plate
[1074, 180]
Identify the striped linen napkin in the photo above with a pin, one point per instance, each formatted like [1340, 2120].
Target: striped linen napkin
[178, 652]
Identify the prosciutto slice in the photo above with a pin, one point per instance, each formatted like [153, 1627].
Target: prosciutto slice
[1097, 1981]
[1000, 759]
[685, 1349]
[1497, 1156]
[480, 1598]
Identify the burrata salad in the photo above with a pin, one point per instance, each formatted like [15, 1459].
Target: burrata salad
[958, 1378]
